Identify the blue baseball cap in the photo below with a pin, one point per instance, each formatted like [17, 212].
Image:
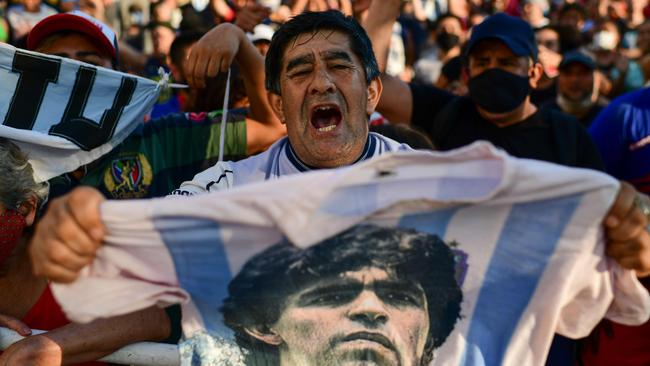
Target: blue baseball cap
[516, 33]
[578, 57]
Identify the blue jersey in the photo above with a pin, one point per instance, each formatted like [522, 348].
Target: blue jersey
[622, 134]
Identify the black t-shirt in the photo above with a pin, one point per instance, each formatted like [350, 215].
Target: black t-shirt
[547, 135]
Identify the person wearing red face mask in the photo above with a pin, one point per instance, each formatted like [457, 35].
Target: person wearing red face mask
[12, 225]
[27, 302]
[20, 197]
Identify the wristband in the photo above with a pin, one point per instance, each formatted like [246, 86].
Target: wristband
[641, 202]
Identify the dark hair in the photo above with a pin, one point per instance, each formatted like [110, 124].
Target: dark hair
[313, 22]
[453, 69]
[569, 39]
[444, 16]
[550, 27]
[181, 41]
[211, 97]
[582, 12]
[257, 294]
[134, 7]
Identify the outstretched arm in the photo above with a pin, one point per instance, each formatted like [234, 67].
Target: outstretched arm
[379, 26]
[76, 343]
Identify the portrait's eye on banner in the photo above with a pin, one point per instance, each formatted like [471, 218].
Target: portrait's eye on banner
[65, 113]
[461, 258]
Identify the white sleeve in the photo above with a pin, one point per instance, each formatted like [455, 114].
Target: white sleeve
[216, 178]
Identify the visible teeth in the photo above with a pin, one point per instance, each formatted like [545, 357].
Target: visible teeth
[327, 129]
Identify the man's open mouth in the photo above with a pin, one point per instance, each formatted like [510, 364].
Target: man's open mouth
[325, 117]
[367, 336]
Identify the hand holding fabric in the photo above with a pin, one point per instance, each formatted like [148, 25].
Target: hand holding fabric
[68, 236]
[628, 240]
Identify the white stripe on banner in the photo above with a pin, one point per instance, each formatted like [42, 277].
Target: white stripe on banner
[467, 257]
[66, 113]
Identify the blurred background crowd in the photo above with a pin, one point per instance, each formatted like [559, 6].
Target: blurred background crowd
[611, 37]
[591, 51]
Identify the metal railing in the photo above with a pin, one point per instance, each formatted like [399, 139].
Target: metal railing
[138, 354]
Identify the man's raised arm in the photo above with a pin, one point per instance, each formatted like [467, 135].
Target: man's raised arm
[213, 54]
[396, 103]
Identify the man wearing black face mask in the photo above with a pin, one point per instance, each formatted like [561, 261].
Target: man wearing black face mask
[502, 65]
[448, 35]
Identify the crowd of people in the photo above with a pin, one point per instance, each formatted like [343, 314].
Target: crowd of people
[557, 81]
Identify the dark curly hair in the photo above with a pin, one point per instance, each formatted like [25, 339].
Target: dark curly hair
[257, 295]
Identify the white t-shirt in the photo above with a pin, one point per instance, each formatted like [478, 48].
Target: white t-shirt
[279, 160]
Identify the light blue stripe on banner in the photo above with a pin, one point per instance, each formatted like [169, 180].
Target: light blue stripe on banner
[527, 241]
[201, 263]
[352, 201]
[431, 222]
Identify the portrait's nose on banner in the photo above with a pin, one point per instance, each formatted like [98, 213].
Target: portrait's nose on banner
[66, 113]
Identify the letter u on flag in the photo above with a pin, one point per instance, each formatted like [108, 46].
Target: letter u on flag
[66, 113]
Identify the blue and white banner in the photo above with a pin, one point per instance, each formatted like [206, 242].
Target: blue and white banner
[469, 257]
[65, 113]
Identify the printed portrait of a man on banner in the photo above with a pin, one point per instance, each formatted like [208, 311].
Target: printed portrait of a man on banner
[382, 296]
[462, 258]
